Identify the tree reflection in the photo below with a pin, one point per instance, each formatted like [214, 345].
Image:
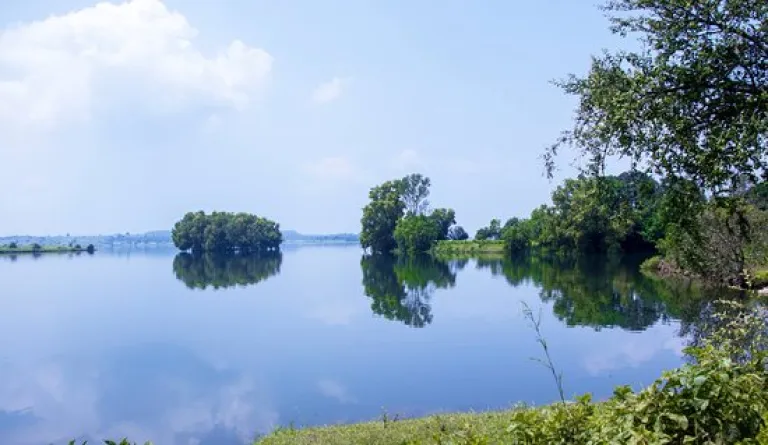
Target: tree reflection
[600, 291]
[401, 288]
[225, 270]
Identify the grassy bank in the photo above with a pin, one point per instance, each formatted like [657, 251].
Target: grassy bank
[43, 249]
[718, 398]
[468, 247]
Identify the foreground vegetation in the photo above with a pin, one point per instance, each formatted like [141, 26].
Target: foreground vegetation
[719, 398]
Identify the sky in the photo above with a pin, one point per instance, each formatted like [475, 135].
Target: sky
[123, 116]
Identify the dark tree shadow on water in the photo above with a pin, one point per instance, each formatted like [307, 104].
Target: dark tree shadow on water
[221, 271]
[401, 288]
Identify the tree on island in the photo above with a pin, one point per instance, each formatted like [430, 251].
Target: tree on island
[398, 217]
[226, 232]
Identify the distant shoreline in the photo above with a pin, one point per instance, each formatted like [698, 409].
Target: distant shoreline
[43, 249]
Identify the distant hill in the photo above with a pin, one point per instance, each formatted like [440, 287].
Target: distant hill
[163, 238]
[292, 236]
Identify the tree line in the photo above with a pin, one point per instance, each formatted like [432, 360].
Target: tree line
[226, 232]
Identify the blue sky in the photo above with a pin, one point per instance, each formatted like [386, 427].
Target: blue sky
[123, 116]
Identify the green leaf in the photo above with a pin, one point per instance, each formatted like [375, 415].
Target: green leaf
[681, 420]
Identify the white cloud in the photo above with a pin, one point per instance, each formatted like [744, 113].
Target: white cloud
[633, 351]
[65, 66]
[328, 91]
[335, 390]
[336, 168]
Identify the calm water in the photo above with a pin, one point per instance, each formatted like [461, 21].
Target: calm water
[184, 350]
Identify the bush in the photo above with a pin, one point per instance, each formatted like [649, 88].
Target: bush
[90, 248]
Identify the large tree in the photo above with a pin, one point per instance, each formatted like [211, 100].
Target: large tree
[415, 190]
[381, 215]
[693, 103]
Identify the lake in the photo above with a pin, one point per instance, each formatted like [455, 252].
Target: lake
[214, 350]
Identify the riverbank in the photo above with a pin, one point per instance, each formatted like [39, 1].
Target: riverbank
[46, 249]
[469, 247]
[660, 268]
[714, 401]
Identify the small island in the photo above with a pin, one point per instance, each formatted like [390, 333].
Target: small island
[35, 248]
[223, 232]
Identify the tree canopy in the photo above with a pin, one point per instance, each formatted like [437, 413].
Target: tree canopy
[226, 232]
[692, 104]
[398, 216]
[590, 214]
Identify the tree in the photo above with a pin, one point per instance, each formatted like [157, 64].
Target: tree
[444, 218]
[491, 232]
[37, 247]
[226, 232]
[691, 106]
[380, 217]
[90, 248]
[414, 193]
[457, 233]
[13, 245]
[416, 233]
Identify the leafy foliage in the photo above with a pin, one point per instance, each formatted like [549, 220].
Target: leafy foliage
[612, 213]
[692, 104]
[692, 107]
[416, 233]
[490, 232]
[415, 190]
[226, 232]
[397, 216]
[381, 215]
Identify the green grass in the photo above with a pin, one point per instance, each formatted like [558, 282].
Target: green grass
[42, 249]
[468, 247]
[760, 279]
[451, 428]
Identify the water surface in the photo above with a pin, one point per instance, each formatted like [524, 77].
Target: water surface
[182, 350]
